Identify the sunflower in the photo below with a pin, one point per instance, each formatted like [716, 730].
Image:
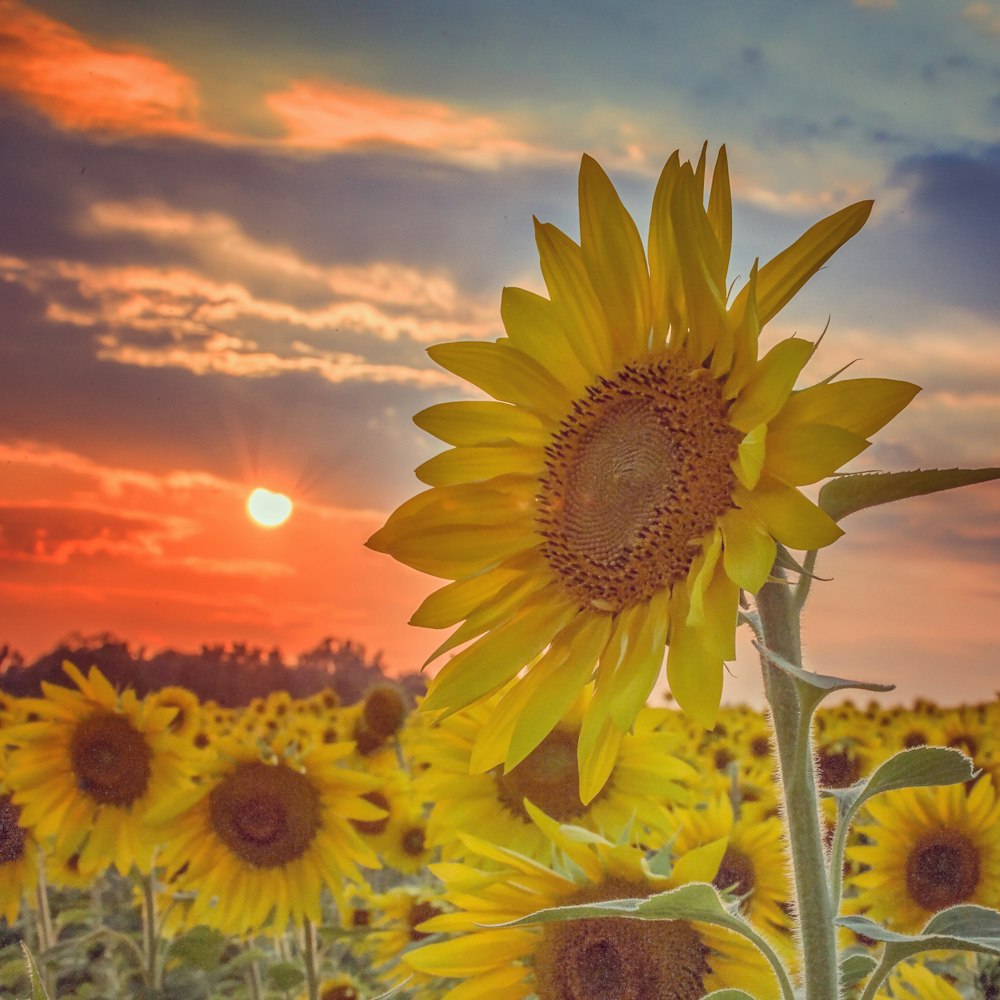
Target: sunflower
[914, 981]
[636, 466]
[262, 833]
[470, 794]
[88, 769]
[754, 867]
[398, 916]
[18, 859]
[616, 957]
[926, 849]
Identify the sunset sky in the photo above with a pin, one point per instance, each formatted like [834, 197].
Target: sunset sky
[230, 230]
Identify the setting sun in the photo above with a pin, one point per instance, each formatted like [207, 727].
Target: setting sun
[268, 509]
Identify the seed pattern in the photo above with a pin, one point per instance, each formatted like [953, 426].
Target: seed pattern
[635, 476]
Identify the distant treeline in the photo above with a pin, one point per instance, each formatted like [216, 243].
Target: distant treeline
[229, 674]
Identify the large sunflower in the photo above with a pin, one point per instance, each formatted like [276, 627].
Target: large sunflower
[636, 466]
[925, 849]
[89, 766]
[264, 831]
[581, 959]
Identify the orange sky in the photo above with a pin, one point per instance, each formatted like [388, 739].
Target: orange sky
[223, 254]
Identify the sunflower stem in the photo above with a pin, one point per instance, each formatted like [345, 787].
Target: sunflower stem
[43, 925]
[309, 954]
[150, 934]
[792, 723]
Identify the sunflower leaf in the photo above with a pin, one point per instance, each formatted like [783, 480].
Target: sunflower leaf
[855, 968]
[961, 928]
[856, 491]
[915, 767]
[728, 995]
[38, 991]
[821, 683]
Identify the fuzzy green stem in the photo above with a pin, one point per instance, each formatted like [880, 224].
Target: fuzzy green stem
[779, 617]
[253, 980]
[151, 934]
[43, 922]
[312, 970]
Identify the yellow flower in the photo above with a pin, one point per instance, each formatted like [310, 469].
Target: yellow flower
[926, 849]
[583, 959]
[264, 831]
[914, 981]
[635, 468]
[18, 860]
[645, 778]
[86, 772]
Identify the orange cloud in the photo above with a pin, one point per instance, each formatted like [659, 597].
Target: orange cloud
[322, 115]
[82, 85]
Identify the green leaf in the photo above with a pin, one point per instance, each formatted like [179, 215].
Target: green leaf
[820, 682]
[728, 995]
[916, 767]
[855, 491]
[960, 928]
[854, 968]
[200, 948]
[37, 989]
[285, 975]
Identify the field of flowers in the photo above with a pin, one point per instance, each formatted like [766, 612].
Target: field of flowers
[163, 847]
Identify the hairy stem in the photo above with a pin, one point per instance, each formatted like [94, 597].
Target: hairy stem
[792, 721]
[312, 970]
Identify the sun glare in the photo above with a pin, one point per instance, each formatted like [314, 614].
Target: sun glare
[268, 509]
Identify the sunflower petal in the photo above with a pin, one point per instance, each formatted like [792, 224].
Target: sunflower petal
[806, 453]
[694, 675]
[748, 550]
[769, 386]
[781, 277]
[790, 516]
[614, 259]
[859, 405]
[482, 421]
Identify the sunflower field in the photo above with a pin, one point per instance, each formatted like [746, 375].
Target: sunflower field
[164, 847]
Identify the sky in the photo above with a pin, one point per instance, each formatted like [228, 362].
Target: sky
[229, 231]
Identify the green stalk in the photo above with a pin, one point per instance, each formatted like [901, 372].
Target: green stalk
[792, 722]
[312, 971]
[43, 924]
[151, 935]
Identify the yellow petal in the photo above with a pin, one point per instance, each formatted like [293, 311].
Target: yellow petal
[495, 658]
[748, 550]
[665, 291]
[750, 456]
[721, 603]
[642, 661]
[505, 373]
[473, 953]
[557, 688]
[800, 454]
[534, 326]
[570, 289]
[780, 278]
[456, 601]
[700, 864]
[614, 259]
[769, 386]
[790, 517]
[859, 405]
[478, 462]
[482, 421]
[694, 675]
[720, 209]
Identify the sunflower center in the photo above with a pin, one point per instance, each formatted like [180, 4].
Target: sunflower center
[619, 959]
[12, 834]
[420, 912]
[414, 841]
[110, 759]
[635, 476]
[736, 872]
[549, 777]
[374, 826]
[942, 870]
[265, 814]
[384, 711]
[837, 768]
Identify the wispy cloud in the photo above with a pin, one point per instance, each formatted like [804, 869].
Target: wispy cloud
[984, 15]
[324, 115]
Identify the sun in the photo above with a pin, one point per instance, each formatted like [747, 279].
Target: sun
[268, 509]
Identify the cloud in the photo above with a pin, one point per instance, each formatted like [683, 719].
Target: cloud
[82, 85]
[326, 115]
[983, 15]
